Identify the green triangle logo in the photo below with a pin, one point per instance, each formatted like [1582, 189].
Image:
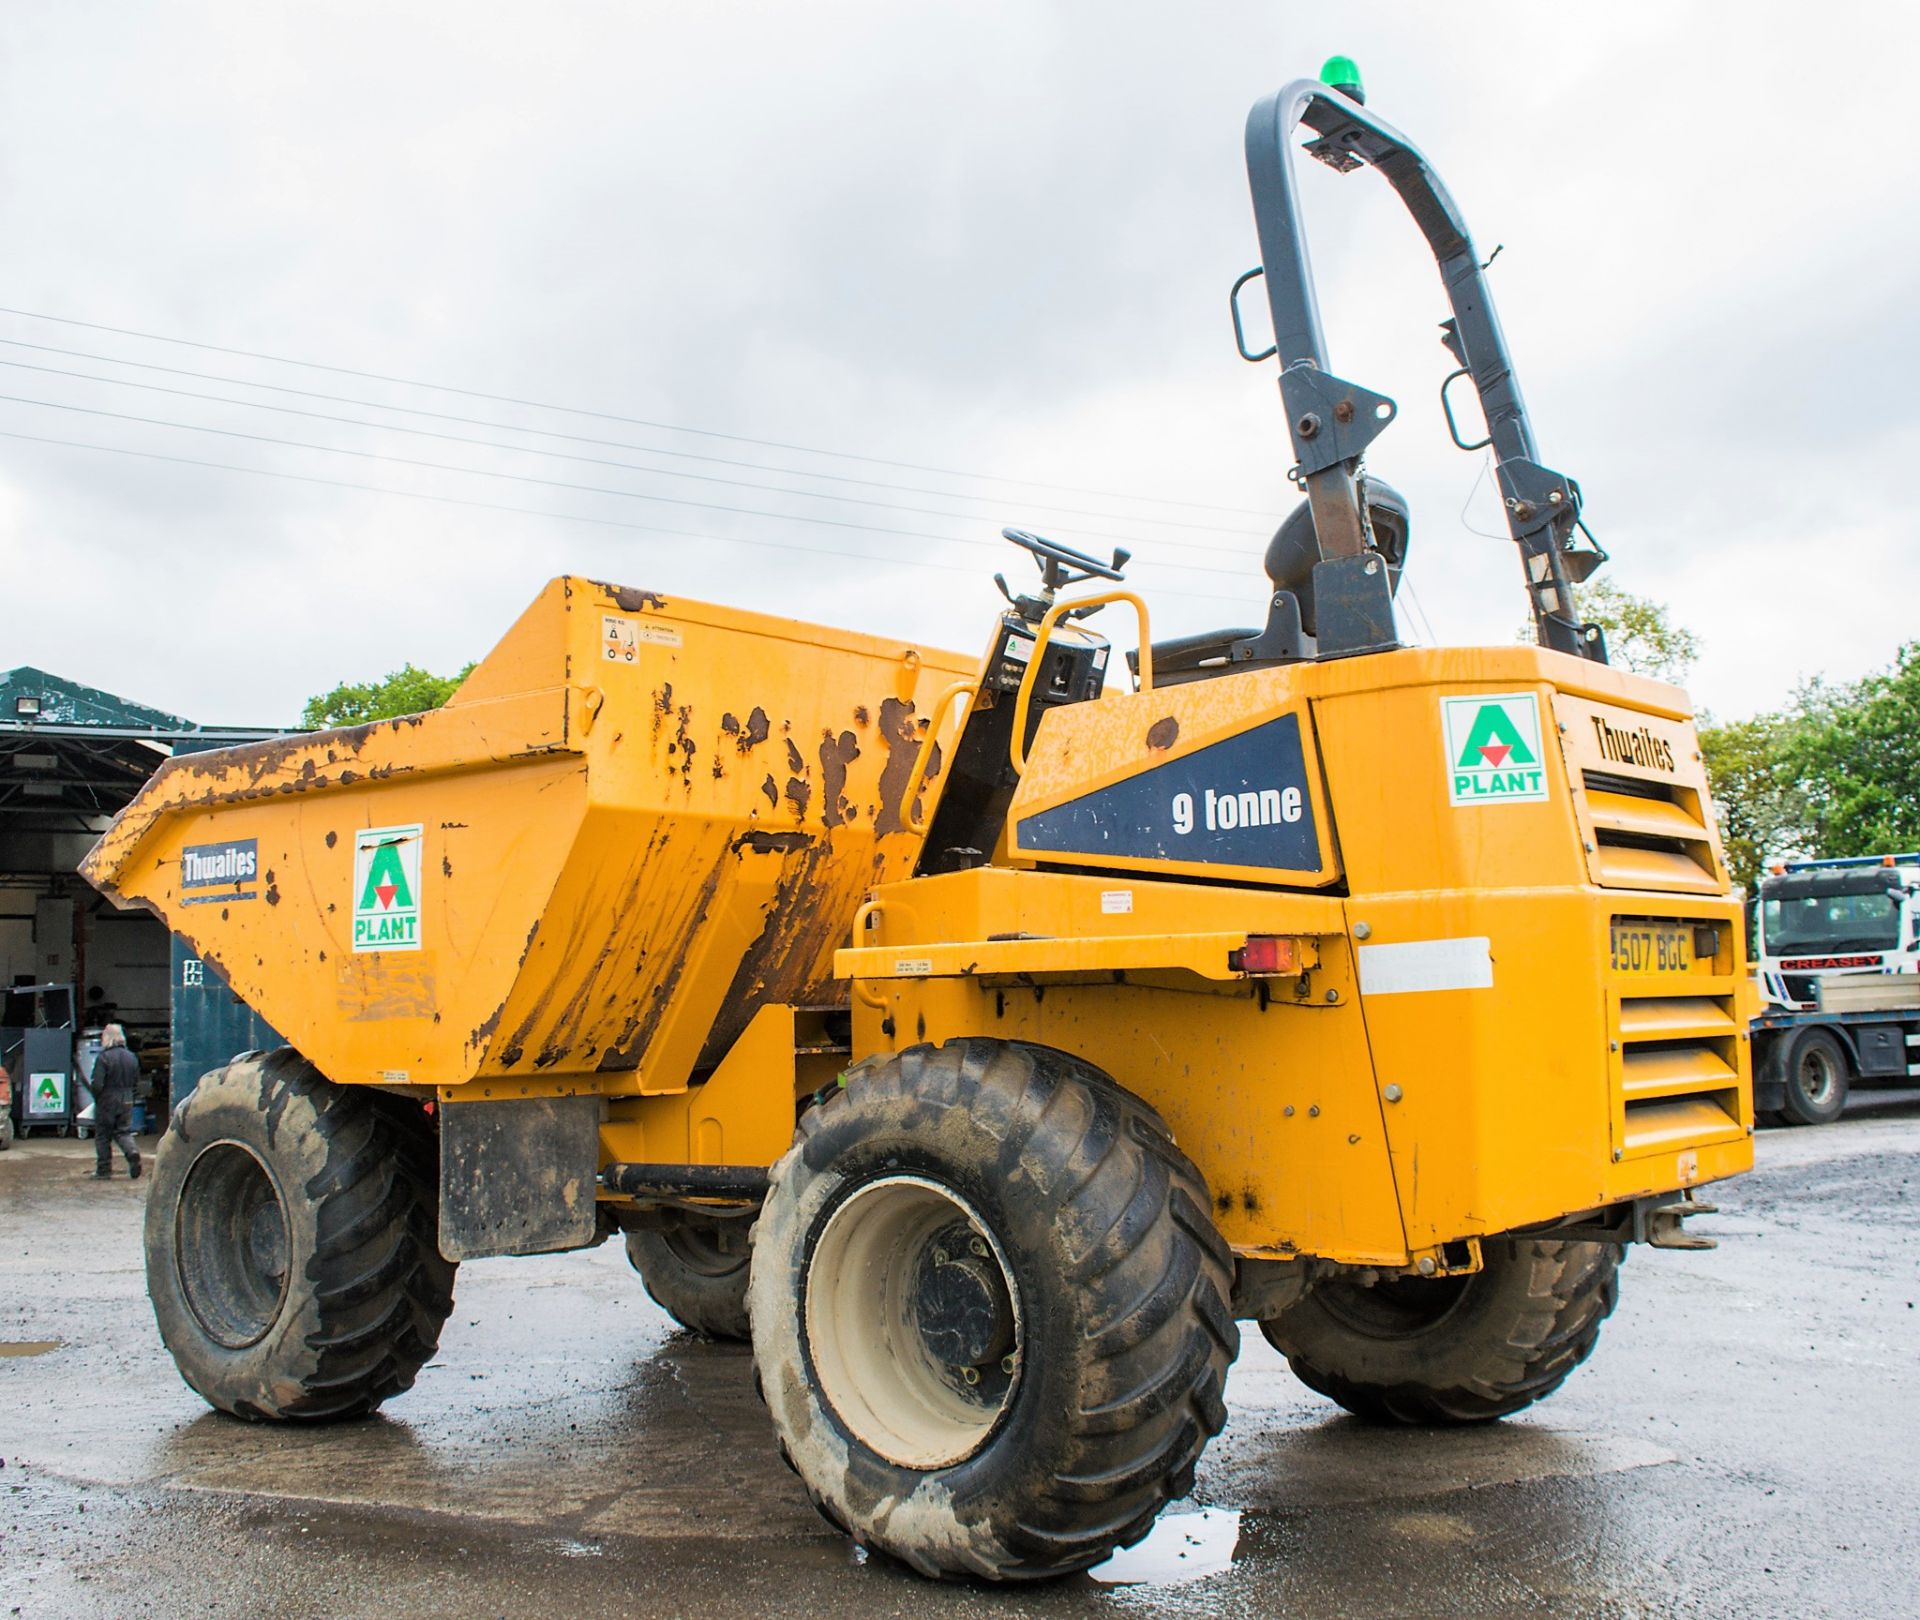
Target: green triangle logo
[1494, 740]
[386, 887]
[49, 1090]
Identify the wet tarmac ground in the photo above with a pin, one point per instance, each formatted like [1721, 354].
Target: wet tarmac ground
[1745, 1442]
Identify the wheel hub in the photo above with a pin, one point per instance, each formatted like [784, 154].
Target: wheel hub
[960, 1301]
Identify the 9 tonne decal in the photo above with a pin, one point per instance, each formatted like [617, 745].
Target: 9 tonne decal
[386, 888]
[1239, 802]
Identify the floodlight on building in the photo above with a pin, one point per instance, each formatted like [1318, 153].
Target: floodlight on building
[26, 706]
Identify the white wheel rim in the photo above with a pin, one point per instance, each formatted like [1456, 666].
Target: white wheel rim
[866, 1319]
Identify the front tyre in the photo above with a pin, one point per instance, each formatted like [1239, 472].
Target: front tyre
[989, 1311]
[291, 1242]
[1451, 1350]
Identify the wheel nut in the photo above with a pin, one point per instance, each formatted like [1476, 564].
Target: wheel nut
[1007, 1364]
[978, 1246]
[940, 1257]
[970, 1375]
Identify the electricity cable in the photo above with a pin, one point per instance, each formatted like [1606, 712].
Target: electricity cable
[529, 511]
[545, 483]
[611, 416]
[582, 438]
[564, 455]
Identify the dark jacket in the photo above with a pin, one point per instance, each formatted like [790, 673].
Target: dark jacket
[116, 1070]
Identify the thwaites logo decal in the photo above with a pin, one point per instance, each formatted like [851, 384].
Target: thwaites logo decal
[386, 889]
[1240, 802]
[1494, 754]
[220, 872]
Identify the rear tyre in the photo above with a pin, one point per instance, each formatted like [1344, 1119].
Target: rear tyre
[1451, 1350]
[1818, 1077]
[990, 1311]
[291, 1242]
[695, 1269]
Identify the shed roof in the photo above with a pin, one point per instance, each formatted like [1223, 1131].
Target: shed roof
[71, 755]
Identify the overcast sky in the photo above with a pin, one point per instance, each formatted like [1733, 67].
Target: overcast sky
[993, 240]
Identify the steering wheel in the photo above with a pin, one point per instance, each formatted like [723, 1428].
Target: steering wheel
[1061, 565]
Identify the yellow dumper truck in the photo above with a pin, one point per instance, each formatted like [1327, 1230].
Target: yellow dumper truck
[984, 1036]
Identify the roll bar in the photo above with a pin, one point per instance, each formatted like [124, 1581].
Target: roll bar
[1333, 421]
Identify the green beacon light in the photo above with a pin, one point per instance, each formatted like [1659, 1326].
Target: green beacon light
[1342, 73]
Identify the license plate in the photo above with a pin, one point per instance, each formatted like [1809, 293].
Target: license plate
[1643, 947]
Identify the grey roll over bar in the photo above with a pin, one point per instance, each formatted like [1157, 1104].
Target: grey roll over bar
[1332, 421]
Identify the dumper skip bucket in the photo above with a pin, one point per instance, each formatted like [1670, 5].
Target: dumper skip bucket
[635, 823]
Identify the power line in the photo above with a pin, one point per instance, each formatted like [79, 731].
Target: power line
[561, 455]
[611, 416]
[529, 478]
[588, 439]
[526, 511]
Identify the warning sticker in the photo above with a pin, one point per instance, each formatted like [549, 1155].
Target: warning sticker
[386, 888]
[1493, 749]
[621, 639]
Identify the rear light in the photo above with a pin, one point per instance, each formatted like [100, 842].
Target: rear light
[1265, 953]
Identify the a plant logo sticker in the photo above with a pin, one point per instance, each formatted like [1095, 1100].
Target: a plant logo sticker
[1493, 749]
[386, 888]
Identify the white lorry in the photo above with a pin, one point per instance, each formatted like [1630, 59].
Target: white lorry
[1839, 970]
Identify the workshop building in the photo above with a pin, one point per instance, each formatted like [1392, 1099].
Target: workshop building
[71, 757]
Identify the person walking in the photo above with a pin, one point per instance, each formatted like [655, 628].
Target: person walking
[115, 1073]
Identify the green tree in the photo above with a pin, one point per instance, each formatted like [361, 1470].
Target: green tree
[1641, 634]
[1859, 761]
[1759, 796]
[408, 690]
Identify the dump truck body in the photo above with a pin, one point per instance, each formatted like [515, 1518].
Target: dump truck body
[636, 825]
[1494, 993]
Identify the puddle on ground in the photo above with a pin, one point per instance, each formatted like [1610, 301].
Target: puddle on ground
[1181, 1547]
[27, 1347]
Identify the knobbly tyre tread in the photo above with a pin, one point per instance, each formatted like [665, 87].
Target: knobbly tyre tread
[369, 1290]
[712, 1305]
[1153, 1276]
[1539, 1320]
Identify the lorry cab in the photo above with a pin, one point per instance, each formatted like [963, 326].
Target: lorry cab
[1837, 918]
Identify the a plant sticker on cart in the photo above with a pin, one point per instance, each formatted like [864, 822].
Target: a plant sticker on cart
[1494, 754]
[386, 888]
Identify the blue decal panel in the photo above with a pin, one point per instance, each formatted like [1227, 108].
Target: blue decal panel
[218, 874]
[1239, 802]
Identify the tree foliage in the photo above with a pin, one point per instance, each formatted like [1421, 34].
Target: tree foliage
[1860, 765]
[1641, 634]
[1835, 771]
[408, 690]
[1759, 797]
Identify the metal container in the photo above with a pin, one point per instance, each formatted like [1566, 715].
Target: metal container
[636, 823]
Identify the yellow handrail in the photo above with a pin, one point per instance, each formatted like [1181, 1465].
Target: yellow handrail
[861, 918]
[1018, 742]
[915, 824]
